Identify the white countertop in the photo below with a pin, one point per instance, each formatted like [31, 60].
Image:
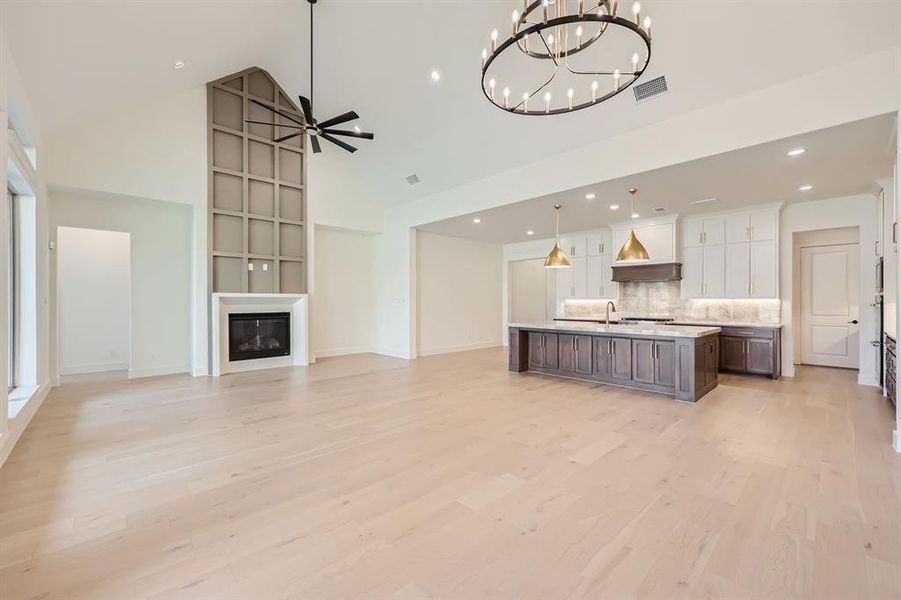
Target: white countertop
[687, 331]
[693, 322]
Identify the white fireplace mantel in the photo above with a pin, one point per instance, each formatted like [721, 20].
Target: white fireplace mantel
[225, 303]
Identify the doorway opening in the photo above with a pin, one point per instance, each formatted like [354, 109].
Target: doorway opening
[94, 300]
[828, 279]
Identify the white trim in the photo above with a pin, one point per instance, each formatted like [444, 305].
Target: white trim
[18, 424]
[896, 442]
[93, 368]
[867, 380]
[158, 371]
[342, 352]
[395, 353]
[463, 348]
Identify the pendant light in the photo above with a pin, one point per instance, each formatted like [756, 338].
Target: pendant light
[632, 250]
[557, 259]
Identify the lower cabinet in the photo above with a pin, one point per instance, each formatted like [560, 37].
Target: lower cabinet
[612, 359]
[654, 362]
[575, 354]
[543, 350]
[754, 351]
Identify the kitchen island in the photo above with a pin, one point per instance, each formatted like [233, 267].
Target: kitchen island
[677, 360]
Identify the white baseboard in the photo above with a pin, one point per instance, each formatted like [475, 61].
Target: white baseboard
[157, 371]
[200, 372]
[394, 353]
[21, 421]
[463, 348]
[340, 352]
[92, 368]
[867, 379]
[896, 441]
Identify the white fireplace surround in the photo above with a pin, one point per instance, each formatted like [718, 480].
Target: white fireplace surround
[225, 304]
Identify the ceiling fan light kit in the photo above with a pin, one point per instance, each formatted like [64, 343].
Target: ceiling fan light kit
[556, 33]
[310, 126]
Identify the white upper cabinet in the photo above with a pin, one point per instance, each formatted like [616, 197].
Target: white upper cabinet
[657, 235]
[599, 242]
[733, 255]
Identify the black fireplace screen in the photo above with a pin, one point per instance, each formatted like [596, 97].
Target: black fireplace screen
[258, 335]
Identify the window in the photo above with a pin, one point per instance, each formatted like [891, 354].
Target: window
[11, 292]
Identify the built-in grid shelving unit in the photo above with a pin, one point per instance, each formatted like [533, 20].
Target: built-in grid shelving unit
[257, 200]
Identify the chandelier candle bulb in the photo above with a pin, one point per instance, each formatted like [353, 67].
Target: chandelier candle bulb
[594, 91]
[544, 5]
[647, 26]
[636, 10]
[484, 56]
[491, 84]
[581, 7]
[494, 41]
[547, 102]
[569, 94]
[506, 97]
[611, 7]
[579, 32]
[515, 21]
[616, 76]
[635, 63]
[525, 102]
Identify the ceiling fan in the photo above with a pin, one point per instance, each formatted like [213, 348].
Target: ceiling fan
[311, 126]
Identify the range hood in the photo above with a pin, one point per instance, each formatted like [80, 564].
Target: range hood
[670, 271]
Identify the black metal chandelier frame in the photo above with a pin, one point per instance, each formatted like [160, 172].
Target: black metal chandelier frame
[525, 28]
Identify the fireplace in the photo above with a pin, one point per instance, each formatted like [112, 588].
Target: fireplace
[258, 335]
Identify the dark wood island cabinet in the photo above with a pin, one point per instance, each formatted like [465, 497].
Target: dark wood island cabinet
[682, 362]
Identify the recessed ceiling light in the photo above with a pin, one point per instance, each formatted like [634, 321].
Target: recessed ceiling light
[179, 64]
[614, 207]
[796, 152]
[635, 215]
[805, 188]
[530, 232]
[477, 220]
[590, 196]
[435, 76]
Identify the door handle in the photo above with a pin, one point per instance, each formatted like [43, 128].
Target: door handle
[854, 322]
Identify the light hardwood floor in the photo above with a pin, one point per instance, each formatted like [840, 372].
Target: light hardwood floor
[448, 477]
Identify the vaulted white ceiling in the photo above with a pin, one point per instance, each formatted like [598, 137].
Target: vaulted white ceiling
[84, 59]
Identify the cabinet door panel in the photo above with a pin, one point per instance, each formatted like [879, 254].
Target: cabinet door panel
[536, 350]
[550, 351]
[763, 224]
[737, 227]
[732, 354]
[564, 287]
[760, 356]
[567, 353]
[574, 245]
[714, 278]
[692, 232]
[711, 362]
[737, 270]
[763, 268]
[665, 363]
[643, 361]
[579, 272]
[603, 357]
[599, 242]
[583, 355]
[622, 359]
[692, 271]
[714, 230]
[595, 277]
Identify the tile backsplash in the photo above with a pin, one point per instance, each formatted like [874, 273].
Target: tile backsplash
[664, 299]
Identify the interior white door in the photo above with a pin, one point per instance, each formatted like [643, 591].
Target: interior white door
[830, 305]
[528, 291]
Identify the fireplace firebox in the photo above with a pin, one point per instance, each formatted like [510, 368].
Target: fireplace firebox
[258, 335]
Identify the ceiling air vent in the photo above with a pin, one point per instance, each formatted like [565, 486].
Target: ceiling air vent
[412, 179]
[659, 209]
[651, 88]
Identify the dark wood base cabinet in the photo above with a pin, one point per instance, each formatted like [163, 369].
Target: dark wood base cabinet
[751, 350]
[685, 368]
[891, 358]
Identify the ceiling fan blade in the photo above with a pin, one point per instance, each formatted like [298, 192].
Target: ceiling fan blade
[357, 134]
[348, 116]
[273, 124]
[338, 142]
[307, 107]
[314, 141]
[287, 137]
[278, 112]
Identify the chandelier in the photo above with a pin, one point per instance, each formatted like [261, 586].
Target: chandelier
[551, 63]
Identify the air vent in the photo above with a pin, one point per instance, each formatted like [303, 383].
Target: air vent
[659, 209]
[412, 179]
[705, 201]
[651, 88]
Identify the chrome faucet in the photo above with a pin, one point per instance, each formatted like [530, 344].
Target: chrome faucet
[607, 316]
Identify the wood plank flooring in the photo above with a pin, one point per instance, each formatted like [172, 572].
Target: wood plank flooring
[450, 478]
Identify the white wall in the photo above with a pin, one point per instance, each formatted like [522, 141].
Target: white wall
[458, 294]
[340, 310]
[94, 295]
[816, 101]
[851, 211]
[160, 271]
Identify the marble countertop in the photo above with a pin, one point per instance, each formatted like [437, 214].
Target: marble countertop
[692, 322]
[687, 331]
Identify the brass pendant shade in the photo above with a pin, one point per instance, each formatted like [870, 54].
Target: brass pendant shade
[632, 250]
[557, 259]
